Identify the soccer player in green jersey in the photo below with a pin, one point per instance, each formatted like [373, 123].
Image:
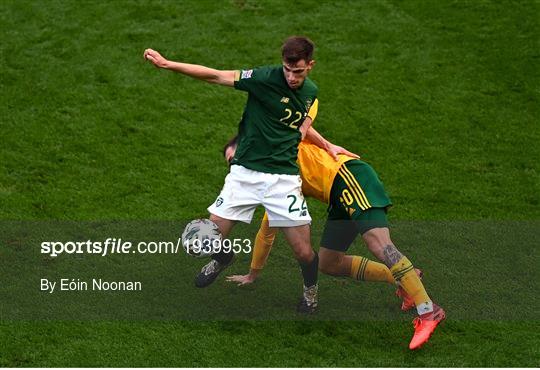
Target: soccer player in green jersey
[264, 169]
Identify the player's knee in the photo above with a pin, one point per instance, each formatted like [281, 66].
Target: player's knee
[304, 255]
[377, 239]
[372, 237]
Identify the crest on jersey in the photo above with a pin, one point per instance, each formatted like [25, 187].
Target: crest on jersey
[308, 103]
[285, 100]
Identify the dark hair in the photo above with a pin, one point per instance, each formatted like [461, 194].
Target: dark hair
[232, 142]
[296, 48]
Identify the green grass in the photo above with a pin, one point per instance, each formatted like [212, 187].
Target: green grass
[442, 98]
[230, 344]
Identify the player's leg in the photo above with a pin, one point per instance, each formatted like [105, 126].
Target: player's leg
[379, 243]
[219, 261]
[338, 235]
[300, 241]
[298, 238]
[286, 209]
[358, 195]
[362, 195]
[225, 226]
[358, 206]
[337, 263]
[430, 315]
[236, 202]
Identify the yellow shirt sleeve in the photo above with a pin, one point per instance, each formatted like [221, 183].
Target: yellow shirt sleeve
[263, 244]
[313, 110]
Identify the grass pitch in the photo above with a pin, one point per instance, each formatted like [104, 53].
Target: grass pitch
[442, 98]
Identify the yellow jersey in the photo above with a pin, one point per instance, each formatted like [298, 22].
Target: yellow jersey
[318, 170]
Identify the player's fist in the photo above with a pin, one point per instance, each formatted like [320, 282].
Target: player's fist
[155, 57]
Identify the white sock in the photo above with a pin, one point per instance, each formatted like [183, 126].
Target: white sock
[425, 307]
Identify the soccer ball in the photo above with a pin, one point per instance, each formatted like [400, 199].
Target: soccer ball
[201, 237]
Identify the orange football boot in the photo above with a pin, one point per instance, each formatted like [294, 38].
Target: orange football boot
[424, 325]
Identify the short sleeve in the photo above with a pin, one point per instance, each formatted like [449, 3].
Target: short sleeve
[313, 109]
[250, 79]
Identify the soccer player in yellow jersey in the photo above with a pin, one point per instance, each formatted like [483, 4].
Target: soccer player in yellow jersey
[357, 205]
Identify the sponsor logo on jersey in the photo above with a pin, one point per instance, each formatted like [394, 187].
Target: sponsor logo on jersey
[246, 74]
[219, 201]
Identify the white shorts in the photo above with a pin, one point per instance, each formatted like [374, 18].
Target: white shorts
[280, 195]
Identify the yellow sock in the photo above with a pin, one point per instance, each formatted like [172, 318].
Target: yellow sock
[263, 244]
[367, 270]
[406, 276]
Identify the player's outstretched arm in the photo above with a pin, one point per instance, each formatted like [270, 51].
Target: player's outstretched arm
[332, 149]
[211, 75]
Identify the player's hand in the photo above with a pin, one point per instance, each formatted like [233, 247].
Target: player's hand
[334, 150]
[241, 279]
[155, 58]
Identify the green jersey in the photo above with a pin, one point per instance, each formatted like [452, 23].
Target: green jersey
[269, 130]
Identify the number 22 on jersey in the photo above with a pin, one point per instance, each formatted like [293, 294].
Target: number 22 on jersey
[296, 118]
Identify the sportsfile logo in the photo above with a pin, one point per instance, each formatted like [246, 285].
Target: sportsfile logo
[118, 246]
[110, 246]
